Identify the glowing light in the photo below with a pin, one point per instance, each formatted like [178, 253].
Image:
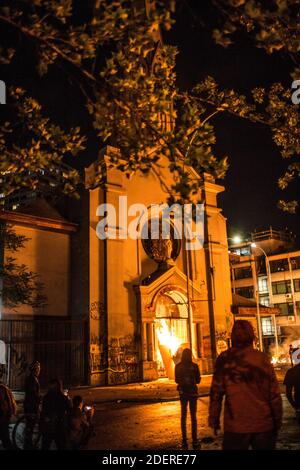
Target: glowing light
[280, 360]
[287, 353]
[167, 337]
[237, 239]
[253, 245]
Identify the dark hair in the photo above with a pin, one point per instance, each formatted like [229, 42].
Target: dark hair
[242, 334]
[77, 400]
[186, 356]
[33, 365]
[56, 384]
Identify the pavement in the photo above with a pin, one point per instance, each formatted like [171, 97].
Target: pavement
[161, 390]
[158, 391]
[146, 415]
[156, 426]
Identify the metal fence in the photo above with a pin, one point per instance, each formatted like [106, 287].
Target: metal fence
[60, 345]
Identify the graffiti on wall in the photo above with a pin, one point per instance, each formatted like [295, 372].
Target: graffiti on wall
[122, 359]
[221, 341]
[97, 315]
[121, 354]
[116, 355]
[95, 357]
[97, 310]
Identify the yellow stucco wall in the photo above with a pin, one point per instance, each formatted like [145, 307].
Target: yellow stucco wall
[47, 254]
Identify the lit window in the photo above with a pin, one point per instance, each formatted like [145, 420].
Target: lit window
[263, 285]
[267, 326]
[264, 300]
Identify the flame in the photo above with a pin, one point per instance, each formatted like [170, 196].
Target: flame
[287, 353]
[167, 337]
[280, 360]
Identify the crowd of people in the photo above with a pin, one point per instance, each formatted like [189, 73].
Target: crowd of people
[63, 421]
[243, 376]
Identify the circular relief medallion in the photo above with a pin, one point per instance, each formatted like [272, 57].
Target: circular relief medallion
[160, 245]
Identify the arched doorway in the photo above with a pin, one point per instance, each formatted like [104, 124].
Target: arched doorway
[172, 330]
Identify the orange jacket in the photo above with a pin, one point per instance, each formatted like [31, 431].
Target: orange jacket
[246, 378]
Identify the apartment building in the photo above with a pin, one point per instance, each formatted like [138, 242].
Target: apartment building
[266, 268]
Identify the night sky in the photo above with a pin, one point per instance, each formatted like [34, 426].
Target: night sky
[250, 200]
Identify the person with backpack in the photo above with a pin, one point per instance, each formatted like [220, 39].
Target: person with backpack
[56, 409]
[7, 410]
[187, 376]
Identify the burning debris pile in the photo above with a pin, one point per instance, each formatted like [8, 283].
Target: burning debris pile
[287, 354]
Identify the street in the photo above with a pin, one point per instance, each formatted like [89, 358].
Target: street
[157, 426]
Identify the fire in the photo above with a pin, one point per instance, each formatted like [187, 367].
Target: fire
[288, 353]
[167, 337]
[280, 360]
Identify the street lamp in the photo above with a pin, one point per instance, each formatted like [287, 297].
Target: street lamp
[236, 239]
[254, 245]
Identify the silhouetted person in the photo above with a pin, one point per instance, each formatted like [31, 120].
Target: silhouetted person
[253, 405]
[81, 428]
[7, 410]
[187, 376]
[32, 401]
[55, 410]
[292, 385]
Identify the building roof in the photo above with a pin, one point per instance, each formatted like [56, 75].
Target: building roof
[41, 208]
[243, 306]
[39, 214]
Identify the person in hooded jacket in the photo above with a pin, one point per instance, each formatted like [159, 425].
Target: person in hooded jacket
[253, 405]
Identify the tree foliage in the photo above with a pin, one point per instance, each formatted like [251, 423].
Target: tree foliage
[274, 27]
[111, 50]
[32, 149]
[20, 285]
[126, 75]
